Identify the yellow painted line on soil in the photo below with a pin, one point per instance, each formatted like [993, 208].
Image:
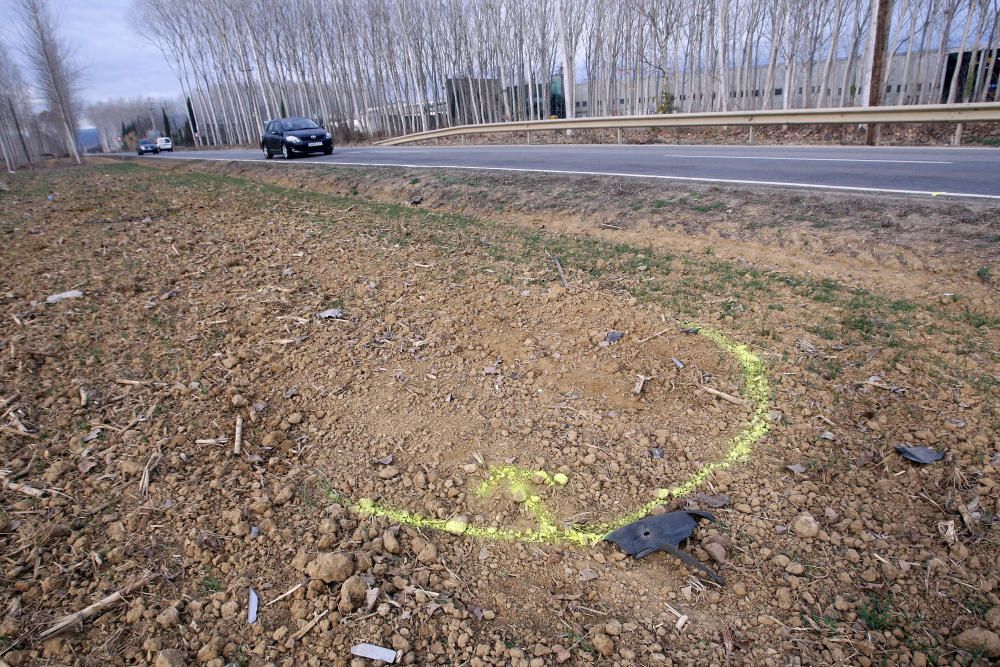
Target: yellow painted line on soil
[518, 482]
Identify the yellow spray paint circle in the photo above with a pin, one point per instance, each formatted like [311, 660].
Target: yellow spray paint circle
[518, 481]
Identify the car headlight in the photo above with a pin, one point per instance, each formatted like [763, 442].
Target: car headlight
[293, 140]
[328, 136]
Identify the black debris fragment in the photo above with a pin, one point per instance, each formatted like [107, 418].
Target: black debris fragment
[663, 532]
[924, 455]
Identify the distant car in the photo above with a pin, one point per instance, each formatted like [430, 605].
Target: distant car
[164, 144]
[294, 136]
[146, 146]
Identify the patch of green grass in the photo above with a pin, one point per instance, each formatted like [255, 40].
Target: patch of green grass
[210, 584]
[977, 605]
[714, 206]
[828, 369]
[983, 274]
[875, 612]
[978, 320]
[660, 203]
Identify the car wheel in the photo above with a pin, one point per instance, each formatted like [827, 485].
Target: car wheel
[267, 153]
[328, 151]
[285, 152]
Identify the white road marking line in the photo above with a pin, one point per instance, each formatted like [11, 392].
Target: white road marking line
[804, 159]
[784, 184]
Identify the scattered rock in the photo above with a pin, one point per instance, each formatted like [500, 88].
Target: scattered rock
[428, 554]
[603, 644]
[805, 525]
[169, 617]
[390, 543]
[716, 551]
[331, 567]
[352, 594]
[979, 640]
[170, 657]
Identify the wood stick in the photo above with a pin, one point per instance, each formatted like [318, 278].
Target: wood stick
[310, 625]
[211, 441]
[23, 488]
[656, 335]
[100, 605]
[285, 594]
[723, 395]
[562, 276]
[238, 440]
[24, 434]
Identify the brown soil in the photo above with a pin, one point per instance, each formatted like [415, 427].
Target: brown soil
[458, 350]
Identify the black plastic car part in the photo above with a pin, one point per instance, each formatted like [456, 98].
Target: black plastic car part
[663, 532]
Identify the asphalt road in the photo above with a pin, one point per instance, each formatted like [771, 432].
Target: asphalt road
[955, 172]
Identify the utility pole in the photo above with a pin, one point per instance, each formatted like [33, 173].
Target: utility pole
[882, 20]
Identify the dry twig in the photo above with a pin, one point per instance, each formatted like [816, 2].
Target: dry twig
[100, 605]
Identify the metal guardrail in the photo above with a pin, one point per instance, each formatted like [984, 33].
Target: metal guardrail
[928, 113]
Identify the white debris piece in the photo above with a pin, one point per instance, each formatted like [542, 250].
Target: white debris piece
[374, 652]
[62, 296]
[252, 608]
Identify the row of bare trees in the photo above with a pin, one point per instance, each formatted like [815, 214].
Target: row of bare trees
[135, 118]
[24, 134]
[391, 66]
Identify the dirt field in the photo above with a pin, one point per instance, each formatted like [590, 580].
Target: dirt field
[787, 343]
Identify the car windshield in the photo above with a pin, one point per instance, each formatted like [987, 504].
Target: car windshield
[298, 124]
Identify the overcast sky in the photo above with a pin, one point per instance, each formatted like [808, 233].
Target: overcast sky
[117, 60]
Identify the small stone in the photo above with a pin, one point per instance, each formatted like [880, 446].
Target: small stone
[613, 628]
[993, 617]
[389, 542]
[239, 401]
[428, 555]
[230, 609]
[170, 657]
[295, 418]
[169, 617]
[716, 551]
[331, 567]
[352, 594]
[603, 644]
[388, 472]
[209, 651]
[795, 568]
[805, 525]
[785, 598]
[980, 641]
[562, 655]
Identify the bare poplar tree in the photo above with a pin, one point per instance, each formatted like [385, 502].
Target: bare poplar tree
[14, 113]
[55, 74]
